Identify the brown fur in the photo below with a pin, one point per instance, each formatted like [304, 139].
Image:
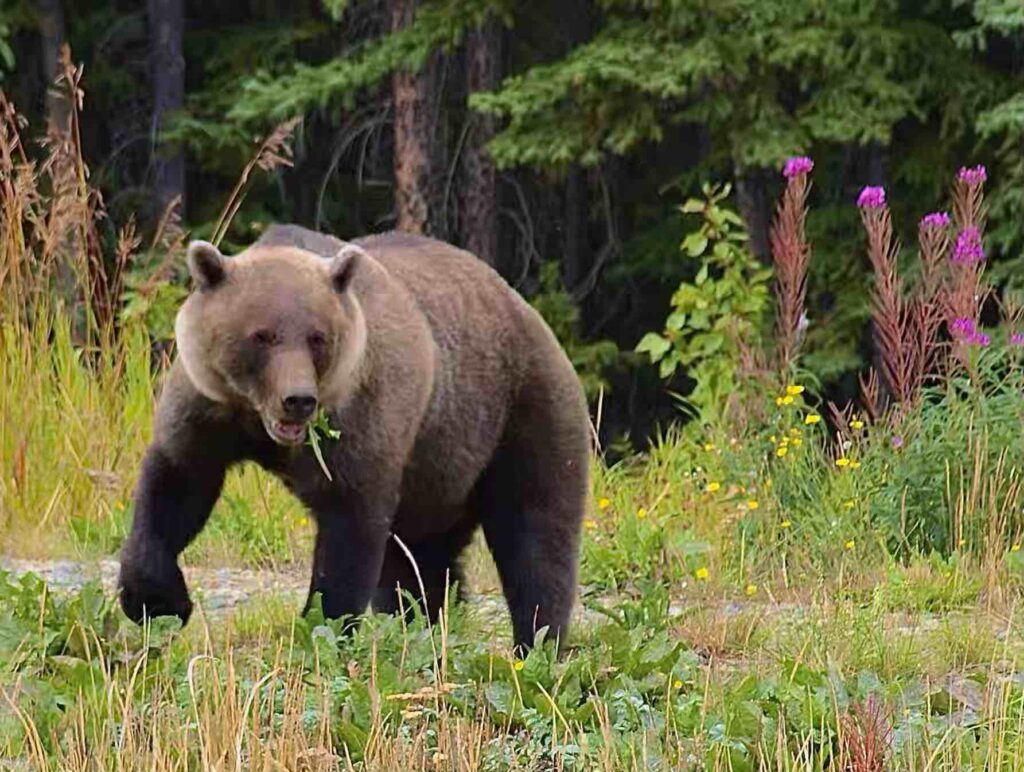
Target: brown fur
[455, 404]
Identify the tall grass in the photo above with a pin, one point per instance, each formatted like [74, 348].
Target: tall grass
[78, 378]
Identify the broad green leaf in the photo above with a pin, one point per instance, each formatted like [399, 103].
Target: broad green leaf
[655, 345]
[695, 244]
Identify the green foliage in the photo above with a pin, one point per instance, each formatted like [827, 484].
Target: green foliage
[782, 76]
[590, 358]
[229, 57]
[6, 52]
[335, 8]
[150, 298]
[438, 24]
[721, 309]
[16, 16]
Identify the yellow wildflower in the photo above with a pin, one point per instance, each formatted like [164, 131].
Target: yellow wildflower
[519, 664]
[708, 447]
[857, 424]
[677, 684]
[812, 418]
[787, 400]
[772, 438]
[590, 524]
[778, 400]
[751, 589]
[781, 451]
[752, 504]
[841, 462]
[849, 503]
[603, 503]
[303, 521]
[797, 442]
[1015, 548]
[855, 465]
[713, 487]
[701, 573]
[794, 432]
[794, 390]
[850, 544]
[641, 513]
[786, 523]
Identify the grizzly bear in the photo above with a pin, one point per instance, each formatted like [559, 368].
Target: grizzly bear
[452, 405]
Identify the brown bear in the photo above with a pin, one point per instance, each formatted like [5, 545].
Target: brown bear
[453, 403]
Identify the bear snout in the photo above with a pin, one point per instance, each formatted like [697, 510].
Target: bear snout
[299, 406]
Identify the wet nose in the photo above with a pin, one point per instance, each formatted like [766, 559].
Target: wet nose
[299, 407]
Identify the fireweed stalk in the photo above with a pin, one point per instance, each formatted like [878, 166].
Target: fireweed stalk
[791, 254]
[933, 238]
[890, 313]
[965, 291]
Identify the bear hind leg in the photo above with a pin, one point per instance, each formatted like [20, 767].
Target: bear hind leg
[437, 561]
[531, 502]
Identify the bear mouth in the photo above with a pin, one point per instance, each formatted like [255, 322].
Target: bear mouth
[285, 432]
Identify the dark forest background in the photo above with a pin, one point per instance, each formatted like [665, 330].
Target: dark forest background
[556, 140]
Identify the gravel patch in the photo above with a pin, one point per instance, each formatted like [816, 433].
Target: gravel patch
[218, 589]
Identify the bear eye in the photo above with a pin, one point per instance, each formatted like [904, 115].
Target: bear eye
[264, 337]
[317, 339]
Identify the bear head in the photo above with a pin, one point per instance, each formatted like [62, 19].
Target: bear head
[275, 329]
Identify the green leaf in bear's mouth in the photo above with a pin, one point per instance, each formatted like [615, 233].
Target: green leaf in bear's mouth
[321, 423]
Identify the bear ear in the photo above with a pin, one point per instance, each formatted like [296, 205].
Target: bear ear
[344, 265]
[206, 264]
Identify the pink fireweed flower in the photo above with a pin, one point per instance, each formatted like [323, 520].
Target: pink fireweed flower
[797, 165]
[968, 249]
[935, 220]
[974, 176]
[966, 331]
[1017, 339]
[897, 441]
[963, 328]
[871, 198]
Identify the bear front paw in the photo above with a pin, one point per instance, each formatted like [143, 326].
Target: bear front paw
[153, 588]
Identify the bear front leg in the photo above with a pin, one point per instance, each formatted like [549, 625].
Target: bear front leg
[172, 503]
[353, 527]
[346, 564]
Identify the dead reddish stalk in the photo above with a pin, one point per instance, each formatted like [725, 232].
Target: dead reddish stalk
[867, 733]
[890, 314]
[791, 254]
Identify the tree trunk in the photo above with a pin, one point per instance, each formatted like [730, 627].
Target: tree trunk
[415, 103]
[51, 32]
[576, 249]
[752, 199]
[166, 33]
[480, 198]
[576, 25]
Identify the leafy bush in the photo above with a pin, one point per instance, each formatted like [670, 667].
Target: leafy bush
[719, 312]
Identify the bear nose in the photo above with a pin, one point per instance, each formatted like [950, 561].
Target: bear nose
[299, 407]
